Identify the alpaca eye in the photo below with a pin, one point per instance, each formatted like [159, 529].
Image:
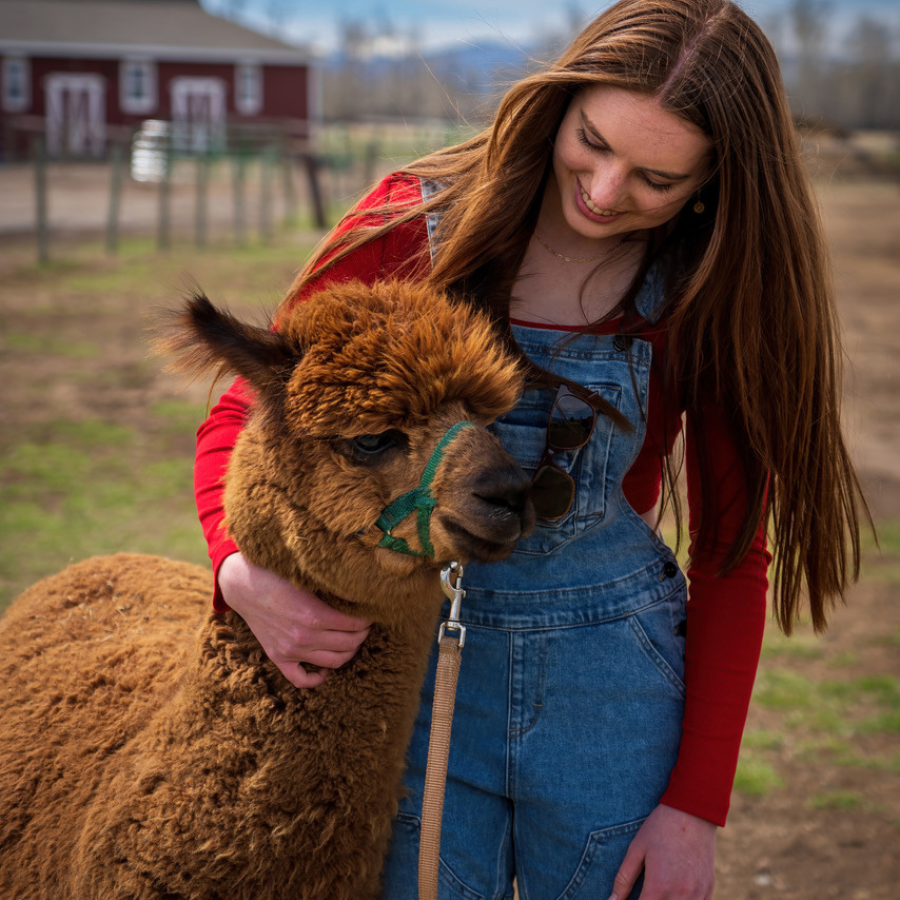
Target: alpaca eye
[374, 444]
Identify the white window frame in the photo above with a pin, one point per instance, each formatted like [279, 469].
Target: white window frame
[10, 65]
[248, 102]
[128, 103]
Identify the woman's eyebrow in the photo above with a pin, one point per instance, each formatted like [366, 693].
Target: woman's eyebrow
[589, 126]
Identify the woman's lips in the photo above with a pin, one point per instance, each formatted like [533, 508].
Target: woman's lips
[583, 202]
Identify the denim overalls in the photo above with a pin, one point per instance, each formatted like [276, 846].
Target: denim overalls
[570, 699]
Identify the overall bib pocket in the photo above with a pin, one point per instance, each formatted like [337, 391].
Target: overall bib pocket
[523, 433]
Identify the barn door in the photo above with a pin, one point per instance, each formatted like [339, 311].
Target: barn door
[198, 111]
[76, 114]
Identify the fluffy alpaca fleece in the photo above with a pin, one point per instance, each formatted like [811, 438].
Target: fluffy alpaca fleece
[150, 749]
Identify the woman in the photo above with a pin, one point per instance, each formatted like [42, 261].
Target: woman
[638, 221]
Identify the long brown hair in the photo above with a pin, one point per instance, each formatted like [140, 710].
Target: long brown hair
[751, 315]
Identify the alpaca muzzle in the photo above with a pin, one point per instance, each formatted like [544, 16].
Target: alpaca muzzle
[420, 500]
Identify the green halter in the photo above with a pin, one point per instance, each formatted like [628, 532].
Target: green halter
[420, 499]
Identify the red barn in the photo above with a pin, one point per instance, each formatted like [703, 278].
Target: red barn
[82, 69]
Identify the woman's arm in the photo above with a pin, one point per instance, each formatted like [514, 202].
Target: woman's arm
[726, 617]
[300, 633]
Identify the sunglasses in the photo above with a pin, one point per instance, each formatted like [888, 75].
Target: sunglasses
[569, 427]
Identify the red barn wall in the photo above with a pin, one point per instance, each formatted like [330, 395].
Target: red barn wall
[285, 90]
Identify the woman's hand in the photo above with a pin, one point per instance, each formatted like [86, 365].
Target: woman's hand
[293, 626]
[677, 853]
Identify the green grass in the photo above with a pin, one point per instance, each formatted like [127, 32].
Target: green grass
[89, 488]
[888, 722]
[253, 274]
[797, 646]
[178, 415]
[844, 659]
[809, 701]
[784, 690]
[842, 800]
[762, 740]
[821, 722]
[886, 640]
[31, 343]
[72, 487]
[883, 559]
[888, 534]
[756, 777]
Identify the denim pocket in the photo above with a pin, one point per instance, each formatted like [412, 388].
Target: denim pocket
[523, 434]
[401, 880]
[659, 632]
[603, 854]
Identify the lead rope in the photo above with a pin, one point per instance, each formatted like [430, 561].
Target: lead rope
[449, 658]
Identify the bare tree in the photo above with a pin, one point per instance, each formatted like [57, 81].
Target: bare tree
[869, 78]
[810, 24]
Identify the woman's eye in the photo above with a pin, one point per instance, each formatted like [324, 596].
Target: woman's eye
[582, 136]
[662, 188]
[373, 444]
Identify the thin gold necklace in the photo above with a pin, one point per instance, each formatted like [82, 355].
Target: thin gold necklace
[574, 259]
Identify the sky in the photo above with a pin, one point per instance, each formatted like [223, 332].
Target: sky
[444, 22]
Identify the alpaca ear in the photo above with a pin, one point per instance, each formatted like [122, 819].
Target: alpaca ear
[202, 338]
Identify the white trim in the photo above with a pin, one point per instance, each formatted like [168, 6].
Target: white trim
[248, 88]
[198, 113]
[231, 55]
[22, 103]
[76, 113]
[146, 103]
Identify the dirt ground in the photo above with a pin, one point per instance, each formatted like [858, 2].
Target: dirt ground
[829, 825]
[78, 199]
[780, 844]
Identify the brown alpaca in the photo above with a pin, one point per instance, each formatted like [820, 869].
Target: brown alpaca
[141, 758]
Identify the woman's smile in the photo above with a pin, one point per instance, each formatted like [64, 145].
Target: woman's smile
[593, 212]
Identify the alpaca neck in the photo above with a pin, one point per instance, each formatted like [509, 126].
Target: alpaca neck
[354, 727]
[294, 782]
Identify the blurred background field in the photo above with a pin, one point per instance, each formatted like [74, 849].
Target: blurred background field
[96, 452]
[96, 441]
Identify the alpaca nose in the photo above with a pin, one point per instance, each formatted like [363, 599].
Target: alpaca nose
[506, 489]
[485, 503]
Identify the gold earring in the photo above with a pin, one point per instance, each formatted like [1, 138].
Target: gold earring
[699, 206]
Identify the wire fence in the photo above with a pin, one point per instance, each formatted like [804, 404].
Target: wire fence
[248, 187]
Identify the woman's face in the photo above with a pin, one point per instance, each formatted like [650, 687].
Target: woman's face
[622, 163]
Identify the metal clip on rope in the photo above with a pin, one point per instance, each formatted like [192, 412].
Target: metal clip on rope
[449, 659]
[454, 594]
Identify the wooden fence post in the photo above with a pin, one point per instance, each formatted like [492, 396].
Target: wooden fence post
[287, 174]
[115, 193]
[202, 180]
[265, 195]
[311, 164]
[165, 196]
[238, 184]
[39, 153]
[370, 165]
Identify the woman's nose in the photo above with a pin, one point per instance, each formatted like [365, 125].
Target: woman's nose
[606, 188]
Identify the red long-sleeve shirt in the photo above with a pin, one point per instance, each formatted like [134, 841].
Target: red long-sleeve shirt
[726, 614]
